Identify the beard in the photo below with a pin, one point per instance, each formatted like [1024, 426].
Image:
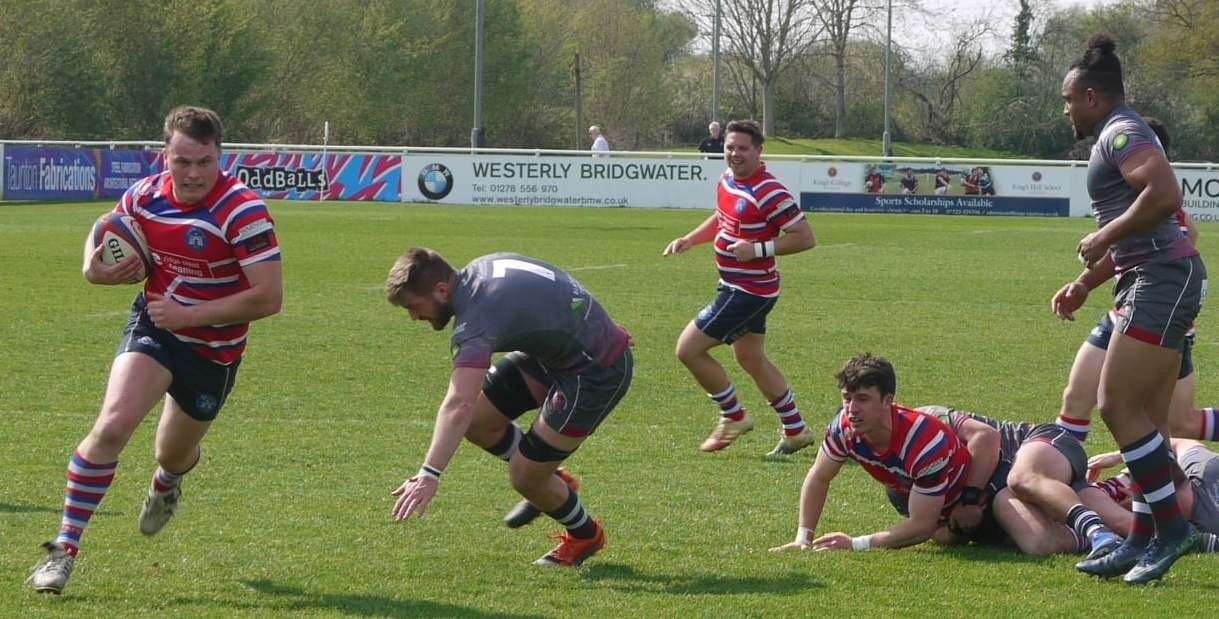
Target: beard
[444, 314]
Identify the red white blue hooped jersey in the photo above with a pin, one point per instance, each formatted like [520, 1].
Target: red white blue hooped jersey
[199, 251]
[924, 455]
[756, 209]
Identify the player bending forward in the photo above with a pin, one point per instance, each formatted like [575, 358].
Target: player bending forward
[565, 355]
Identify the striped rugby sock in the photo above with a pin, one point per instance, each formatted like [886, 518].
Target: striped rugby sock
[1151, 467]
[789, 413]
[87, 484]
[1210, 424]
[1078, 428]
[730, 407]
[572, 516]
[163, 482]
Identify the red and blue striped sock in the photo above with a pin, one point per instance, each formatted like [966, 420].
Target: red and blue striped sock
[87, 484]
[1078, 428]
[789, 413]
[1210, 424]
[730, 407]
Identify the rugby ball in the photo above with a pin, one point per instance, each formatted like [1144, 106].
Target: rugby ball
[120, 237]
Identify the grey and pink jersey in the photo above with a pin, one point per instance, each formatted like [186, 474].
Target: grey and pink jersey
[1120, 135]
[508, 302]
[1201, 465]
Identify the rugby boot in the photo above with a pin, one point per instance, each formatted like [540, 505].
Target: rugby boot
[1102, 544]
[1160, 556]
[158, 509]
[572, 551]
[726, 431]
[50, 575]
[1117, 562]
[789, 445]
[526, 512]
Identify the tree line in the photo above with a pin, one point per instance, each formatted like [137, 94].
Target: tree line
[401, 72]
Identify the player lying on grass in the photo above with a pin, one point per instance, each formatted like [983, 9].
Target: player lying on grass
[565, 355]
[942, 468]
[1197, 495]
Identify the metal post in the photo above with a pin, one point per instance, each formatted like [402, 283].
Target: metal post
[887, 143]
[715, 53]
[579, 113]
[321, 193]
[476, 134]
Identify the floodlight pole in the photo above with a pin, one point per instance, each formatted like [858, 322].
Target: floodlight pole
[579, 111]
[476, 134]
[886, 141]
[715, 72]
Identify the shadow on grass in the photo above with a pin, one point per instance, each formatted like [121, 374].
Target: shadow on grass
[623, 577]
[986, 553]
[10, 508]
[295, 599]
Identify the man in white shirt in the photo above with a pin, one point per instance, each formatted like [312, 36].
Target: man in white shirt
[600, 145]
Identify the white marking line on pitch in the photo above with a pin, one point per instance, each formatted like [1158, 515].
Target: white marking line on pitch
[599, 267]
[835, 245]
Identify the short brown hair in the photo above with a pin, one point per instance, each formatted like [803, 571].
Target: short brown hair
[417, 272]
[866, 370]
[197, 123]
[747, 126]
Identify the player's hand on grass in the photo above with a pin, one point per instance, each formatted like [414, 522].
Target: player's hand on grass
[127, 271]
[1098, 463]
[832, 541]
[414, 495]
[964, 519]
[743, 250]
[1068, 299]
[793, 545]
[168, 314]
[677, 246]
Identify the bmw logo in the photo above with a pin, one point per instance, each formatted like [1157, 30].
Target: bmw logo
[435, 181]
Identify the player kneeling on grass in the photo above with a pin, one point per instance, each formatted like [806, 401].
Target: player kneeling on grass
[947, 471]
[912, 453]
[187, 329]
[566, 356]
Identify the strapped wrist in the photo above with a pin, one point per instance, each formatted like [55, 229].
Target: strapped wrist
[861, 543]
[804, 535]
[427, 470]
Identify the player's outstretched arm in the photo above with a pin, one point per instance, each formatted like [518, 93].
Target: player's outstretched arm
[812, 501]
[919, 527]
[982, 443]
[452, 422]
[704, 233]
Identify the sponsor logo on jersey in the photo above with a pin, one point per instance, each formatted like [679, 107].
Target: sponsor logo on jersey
[196, 239]
[741, 205]
[1120, 141]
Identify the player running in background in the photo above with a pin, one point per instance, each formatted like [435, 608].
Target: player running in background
[1135, 195]
[1199, 499]
[756, 219]
[565, 355]
[215, 268]
[1079, 397]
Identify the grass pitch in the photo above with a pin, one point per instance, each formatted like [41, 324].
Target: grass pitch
[289, 512]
